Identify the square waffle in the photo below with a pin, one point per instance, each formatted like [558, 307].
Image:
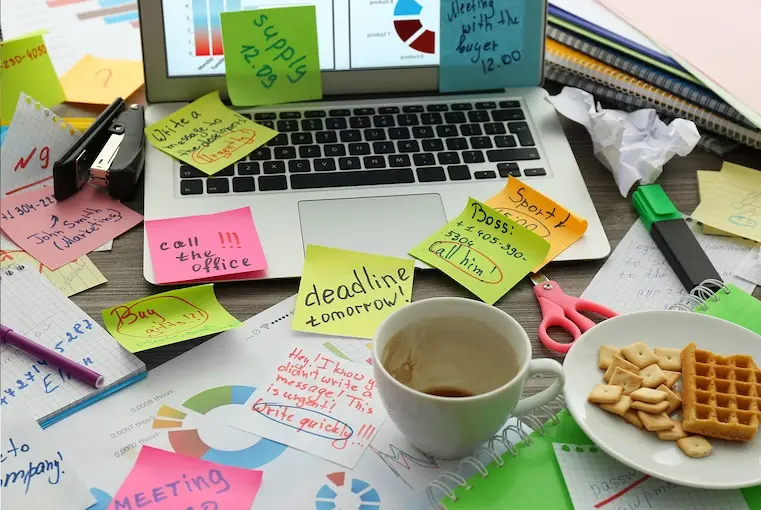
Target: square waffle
[721, 395]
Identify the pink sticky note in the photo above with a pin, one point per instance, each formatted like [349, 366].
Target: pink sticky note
[204, 246]
[165, 480]
[55, 233]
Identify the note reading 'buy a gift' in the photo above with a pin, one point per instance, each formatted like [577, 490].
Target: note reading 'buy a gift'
[207, 134]
[484, 251]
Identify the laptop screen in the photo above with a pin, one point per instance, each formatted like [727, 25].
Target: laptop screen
[352, 34]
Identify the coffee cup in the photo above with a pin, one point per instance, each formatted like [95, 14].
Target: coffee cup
[450, 372]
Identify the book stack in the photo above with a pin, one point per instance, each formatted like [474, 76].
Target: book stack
[591, 49]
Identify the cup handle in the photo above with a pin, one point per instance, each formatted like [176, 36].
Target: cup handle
[547, 395]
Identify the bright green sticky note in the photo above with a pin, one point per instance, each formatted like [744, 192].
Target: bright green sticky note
[484, 251]
[271, 55]
[168, 318]
[26, 67]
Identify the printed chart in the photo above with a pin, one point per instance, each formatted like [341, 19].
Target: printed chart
[207, 26]
[110, 11]
[409, 27]
[347, 494]
[358, 351]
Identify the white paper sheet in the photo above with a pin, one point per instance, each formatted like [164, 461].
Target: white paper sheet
[749, 267]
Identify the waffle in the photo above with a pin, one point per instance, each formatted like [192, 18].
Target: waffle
[721, 395]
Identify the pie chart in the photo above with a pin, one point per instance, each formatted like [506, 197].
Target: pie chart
[344, 493]
[409, 27]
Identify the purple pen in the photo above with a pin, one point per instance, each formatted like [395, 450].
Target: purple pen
[76, 370]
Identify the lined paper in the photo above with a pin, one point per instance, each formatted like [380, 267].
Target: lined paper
[73, 278]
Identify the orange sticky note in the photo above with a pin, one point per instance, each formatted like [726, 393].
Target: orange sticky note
[95, 80]
[539, 214]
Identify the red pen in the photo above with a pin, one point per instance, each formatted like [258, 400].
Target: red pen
[77, 371]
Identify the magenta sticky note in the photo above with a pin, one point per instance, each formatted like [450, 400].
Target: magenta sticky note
[55, 233]
[204, 246]
[164, 480]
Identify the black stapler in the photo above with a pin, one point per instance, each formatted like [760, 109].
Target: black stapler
[110, 154]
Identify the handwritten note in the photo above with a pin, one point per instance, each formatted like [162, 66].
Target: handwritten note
[70, 279]
[168, 318]
[318, 403]
[95, 80]
[26, 67]
[349, 293]
[169, 481]
[34, 472]
[481, 43]
[539, 214]
[484, 251]
[207, 134]
[271, 55]
[55, 233]
[204, 246]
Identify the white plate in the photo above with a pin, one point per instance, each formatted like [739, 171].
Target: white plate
[732, 465]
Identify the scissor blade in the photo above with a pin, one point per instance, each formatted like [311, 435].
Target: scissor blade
[538, 278]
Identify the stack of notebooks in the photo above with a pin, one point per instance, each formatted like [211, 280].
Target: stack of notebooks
[591, 49]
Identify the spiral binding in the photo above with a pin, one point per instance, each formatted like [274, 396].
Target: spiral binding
[448, 481]
[701, 295]
[10, 270]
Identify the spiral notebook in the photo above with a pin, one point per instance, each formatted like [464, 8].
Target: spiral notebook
[729, 303]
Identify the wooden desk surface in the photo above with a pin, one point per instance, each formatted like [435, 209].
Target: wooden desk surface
[123, 266]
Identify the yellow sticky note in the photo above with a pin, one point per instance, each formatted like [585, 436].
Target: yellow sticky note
[95, 80]
[26, 67]
[72, 278]
[207, 134]
[168, 318]
[349, 293]
[706, 179]
[484, 251]
[539, 214]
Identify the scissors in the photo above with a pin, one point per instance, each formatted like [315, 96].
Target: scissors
[560, 309]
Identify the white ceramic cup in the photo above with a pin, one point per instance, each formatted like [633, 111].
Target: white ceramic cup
[452, 427]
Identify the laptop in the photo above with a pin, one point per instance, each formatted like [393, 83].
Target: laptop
[385, 159]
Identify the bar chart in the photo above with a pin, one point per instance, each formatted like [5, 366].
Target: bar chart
[110, 11]
[207, 24]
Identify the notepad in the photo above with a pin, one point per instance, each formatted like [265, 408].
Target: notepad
[595, 480]
[33, 307]
[734, 305]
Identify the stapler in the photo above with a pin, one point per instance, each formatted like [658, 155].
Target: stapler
[110, 154]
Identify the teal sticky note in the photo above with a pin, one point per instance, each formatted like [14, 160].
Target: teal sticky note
[490, 44]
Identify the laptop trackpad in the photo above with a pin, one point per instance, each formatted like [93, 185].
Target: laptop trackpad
[381, 225]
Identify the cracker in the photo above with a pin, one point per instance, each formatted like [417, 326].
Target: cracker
[695, 446]
[655, 422]
[671, 377]
[605, 394]
[674, 434]
[620, 407]
[669, 359]
[639, 354]
[632, 417]
[658, 408]
[618, 361]
[605, 356]
[652, 376]
[628, 380]
[674, 400]
[648, 395]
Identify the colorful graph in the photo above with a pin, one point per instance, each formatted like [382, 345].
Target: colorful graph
[110, 11]
[187, 441]
[337, 494]
[410, 29]
[352, 350]
[207, 24]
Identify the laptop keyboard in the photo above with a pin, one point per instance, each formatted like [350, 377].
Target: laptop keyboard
[369, 146]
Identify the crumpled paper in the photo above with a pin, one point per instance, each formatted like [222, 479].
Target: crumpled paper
[633, 146]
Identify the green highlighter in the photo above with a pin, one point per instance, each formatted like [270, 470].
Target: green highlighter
[673, 237]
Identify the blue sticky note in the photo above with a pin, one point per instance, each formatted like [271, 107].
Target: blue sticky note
[3, 130]
[490, 44]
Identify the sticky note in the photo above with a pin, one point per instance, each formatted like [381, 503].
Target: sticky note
[55, 233]
[36, 472]
[95, 80]
[26, 67]
[168, 318]
[271, 55]
[204, 246]
[484, 251]
[207, 134]
[316, 402]
[539, 214]
[169, 481]
[70, 279]
[349, 293]
[482, 44]
[705, 180]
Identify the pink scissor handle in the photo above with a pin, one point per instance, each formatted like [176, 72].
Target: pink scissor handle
[552, 315]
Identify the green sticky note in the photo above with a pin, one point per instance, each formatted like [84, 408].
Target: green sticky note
[484, 251]
[26, 67]
[736, 306]
[271, 55]
[168, 318]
